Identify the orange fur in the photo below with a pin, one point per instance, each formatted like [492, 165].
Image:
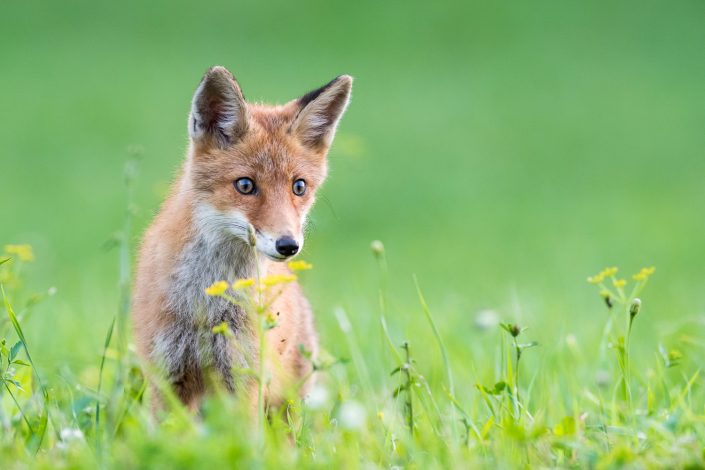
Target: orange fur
[197, 237]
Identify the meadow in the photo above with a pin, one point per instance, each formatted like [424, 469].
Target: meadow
[501, 152]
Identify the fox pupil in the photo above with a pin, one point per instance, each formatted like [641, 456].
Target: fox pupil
[245, 185]
[299, 187]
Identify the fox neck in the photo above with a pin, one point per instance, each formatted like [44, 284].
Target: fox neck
[210, 255]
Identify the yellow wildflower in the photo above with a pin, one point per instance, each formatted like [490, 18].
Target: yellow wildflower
[243, 283]
[222, 328]
[596, 279]
[23, 252]
[644, 274]
[275, 279]
[600, 277]
[299, 265]
[217, 288]
[619, 283]
[609, 272]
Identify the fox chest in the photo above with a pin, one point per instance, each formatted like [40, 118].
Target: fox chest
[187, 346]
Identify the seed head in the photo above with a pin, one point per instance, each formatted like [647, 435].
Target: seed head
[251, 236]
[377, 248]
[634, 308]
[605, 294]
[514, 329]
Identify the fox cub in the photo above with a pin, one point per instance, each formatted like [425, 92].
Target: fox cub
[251, 170]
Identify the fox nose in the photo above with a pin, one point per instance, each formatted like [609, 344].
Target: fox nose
[287, 246]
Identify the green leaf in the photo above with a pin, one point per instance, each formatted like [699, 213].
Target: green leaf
[670, 358]
[20, 362]
[499, 387]
[15, 350]
[5, 260]
[400, 389]
[16, 384]
[487, 427]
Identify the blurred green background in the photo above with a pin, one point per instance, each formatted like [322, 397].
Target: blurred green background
[502, 151]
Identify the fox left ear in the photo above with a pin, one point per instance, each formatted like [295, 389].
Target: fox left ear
[320, 111]
[218, 111]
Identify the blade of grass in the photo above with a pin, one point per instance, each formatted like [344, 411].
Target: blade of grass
[444, 352]
[17, 404]
[437, 335]
[40, 383]
[106, 344]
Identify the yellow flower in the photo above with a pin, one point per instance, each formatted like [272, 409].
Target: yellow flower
[23, 252]
[596, 279]
[619, 283]
[644, 274]
[299, 265]
[217, 288]
[243, 283]
[609, 272]
[275, 279]
[222, 328]
[600, 277]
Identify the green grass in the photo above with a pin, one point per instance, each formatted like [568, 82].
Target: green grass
[501, 151]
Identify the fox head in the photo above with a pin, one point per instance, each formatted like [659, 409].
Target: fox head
[254, 169]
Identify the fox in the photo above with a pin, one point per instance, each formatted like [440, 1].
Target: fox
[250, 177]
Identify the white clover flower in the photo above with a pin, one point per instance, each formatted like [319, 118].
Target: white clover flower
[317, 398]
[486, 320]
[71, 434]
[352, 416]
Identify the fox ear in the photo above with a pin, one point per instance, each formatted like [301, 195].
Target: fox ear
[218, 111]
[320, 111]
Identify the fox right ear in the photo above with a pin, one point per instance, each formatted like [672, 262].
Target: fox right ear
[218, 111]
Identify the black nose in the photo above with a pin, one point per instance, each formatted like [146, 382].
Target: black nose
[287, 246]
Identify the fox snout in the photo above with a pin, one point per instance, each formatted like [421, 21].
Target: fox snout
[278, 248]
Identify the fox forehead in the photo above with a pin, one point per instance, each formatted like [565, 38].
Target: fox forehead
[267, 152]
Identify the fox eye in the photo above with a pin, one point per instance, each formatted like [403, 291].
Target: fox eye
[244, 185]
[299, 187]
